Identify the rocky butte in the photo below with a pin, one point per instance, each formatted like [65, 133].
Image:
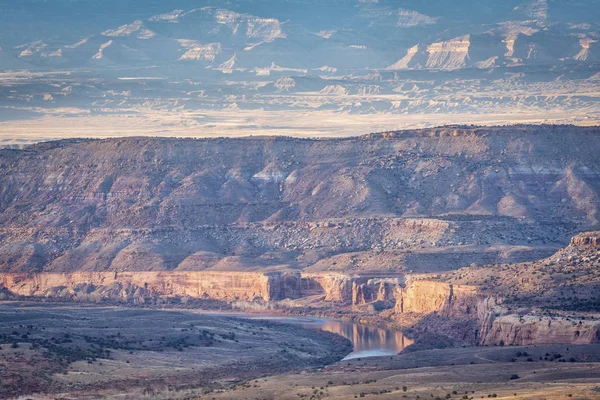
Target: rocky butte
[454, 231]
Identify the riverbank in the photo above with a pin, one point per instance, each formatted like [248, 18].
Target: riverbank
[368, 340]
[382, 319]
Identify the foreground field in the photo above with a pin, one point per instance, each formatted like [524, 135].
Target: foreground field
[464, 373]
[80, 351]
[51, 351]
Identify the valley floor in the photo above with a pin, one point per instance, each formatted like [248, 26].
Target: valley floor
[109, 353]
[72, 352]
[387, 379]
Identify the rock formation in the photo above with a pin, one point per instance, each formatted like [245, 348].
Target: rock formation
[441, 305]
[375, 290]
[383, 221]
[587, 239]
[226, 286]
[214, 285]
[426, 297]
[532, 329]
[424, 200]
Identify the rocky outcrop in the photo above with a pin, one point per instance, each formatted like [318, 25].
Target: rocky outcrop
[336, 287]
[227, 286]
[426, 297]
[531, 329]
[494, 323]
[451, 54]
[587, 239]
[381, 290]
[415, 57]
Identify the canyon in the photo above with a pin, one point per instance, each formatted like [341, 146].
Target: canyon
[476, 314]
[284, 199]
[465, 248]
[470, 233]
[226, 286]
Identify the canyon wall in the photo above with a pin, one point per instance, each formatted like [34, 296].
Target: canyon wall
[455, 305]
[336, 287]
[214, 285]
[226, 286]
[380, 290]
[461, 312]
[426, 297]
[532, 329]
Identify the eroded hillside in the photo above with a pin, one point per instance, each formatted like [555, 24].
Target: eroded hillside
[423, 201]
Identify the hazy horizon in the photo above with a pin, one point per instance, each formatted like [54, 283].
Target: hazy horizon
[293, 68]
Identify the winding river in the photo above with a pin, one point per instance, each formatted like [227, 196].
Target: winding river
[368, 340]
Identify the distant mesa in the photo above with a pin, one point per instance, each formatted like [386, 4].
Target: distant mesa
[197, 51]
[172, 16]
[100, 54]
[410, 19]
[136, 29]
[447, 55]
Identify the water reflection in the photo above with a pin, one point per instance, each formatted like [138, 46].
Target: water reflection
[368, 340]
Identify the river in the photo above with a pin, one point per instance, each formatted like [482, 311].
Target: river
[367, 340]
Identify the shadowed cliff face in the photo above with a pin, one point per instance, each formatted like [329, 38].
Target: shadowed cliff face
[446, 196]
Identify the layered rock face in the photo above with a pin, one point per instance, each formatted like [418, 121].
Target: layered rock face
[456, 306]
[380, 290]
[226, 286]
[450, 54]
[587, 239]
[532, 329]
[336, 287]
[447, 300]
[552, 300]
[213, 285]
[449, 196]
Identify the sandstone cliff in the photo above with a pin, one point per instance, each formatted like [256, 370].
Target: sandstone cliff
[532, 329]
[214, 285]
[587, 239]
[447, 300]
[227, 286]
[381, 290]
[552, 300]
[460, 311]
